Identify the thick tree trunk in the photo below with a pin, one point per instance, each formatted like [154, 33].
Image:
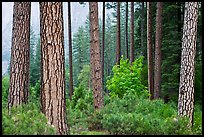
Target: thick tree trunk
[187, 72]
[20, 56]
[70, 52]
[103, 45]
[95, 56]
[158, 42]
[142, 29]
[149, 50]
[126, 29]
[132, 34]
[53, 70]
[118, 47]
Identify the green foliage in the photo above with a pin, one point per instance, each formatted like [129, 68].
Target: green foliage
[127, 78]
[84, 76]
[35, 91]
[198, 83]
[135, 115]
[5, 89]
[26, 120]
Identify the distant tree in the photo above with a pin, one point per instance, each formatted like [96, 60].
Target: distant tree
[53, 103]
[95, 56]
[158, 42]
[103, 45]
[20, 56]
[187, 72]
[126, 30]
[118, 46]
[142, 29]
[70, 52]
[132, 34]
[150, 50]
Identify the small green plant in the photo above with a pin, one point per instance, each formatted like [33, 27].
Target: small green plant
[127, 78]
[26, 119]
[5, 90]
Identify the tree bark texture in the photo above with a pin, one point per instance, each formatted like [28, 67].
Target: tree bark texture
[71, 90]
[126, 29]
[149, 50]
[132, 34]
[53, 103]
[118, 46]
[158, 42]
[187, 72]
[95, 56]
[103, 45]
[20, 56]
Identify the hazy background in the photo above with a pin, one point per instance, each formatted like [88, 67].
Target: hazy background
[79, 14]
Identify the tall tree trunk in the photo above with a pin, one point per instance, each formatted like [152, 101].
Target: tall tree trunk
[53, 99]
[142, 29]
[118, 47]
[20, 56]
[158, 42]
[95, 56]
[103, 46]
[132, 34]
[187, 72]
[126, 29]
[149, 50]
[70, 52]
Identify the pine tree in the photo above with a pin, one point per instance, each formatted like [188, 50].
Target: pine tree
[70, 52]
[118, 46]
[53, 103]
[95, 56]
[149, 50]
[158, 42]
[187, 72]
[132, 34]
[20, 56]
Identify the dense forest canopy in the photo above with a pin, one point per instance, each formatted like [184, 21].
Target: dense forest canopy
[108, 68]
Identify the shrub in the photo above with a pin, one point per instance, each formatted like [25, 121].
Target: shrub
[25, 120]
[127, 78]
[140, 116]
[5, 90]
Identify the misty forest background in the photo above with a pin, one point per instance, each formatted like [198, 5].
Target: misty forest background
[126, 113]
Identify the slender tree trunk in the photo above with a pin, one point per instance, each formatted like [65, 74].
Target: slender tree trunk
[53, 99]
[149, 50]
[103, 45]
[142, 30]
[70, 52]
[126, 29]
[95, 56]
[187, 72]
[20, 56]
[158, 42]
[118, 47]
[132, 34]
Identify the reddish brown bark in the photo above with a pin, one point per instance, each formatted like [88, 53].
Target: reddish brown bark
[118, 47]
[132, 34]
[53, 102]
[20, 58]
[95, 56]
[158, 42]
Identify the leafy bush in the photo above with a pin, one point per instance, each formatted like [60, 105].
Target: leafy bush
[5, 90]
[25, 120]
[35, 92]
[127, 78]
[136, 115]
